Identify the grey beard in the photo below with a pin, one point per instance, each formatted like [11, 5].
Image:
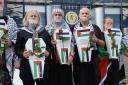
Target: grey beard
[33, 26]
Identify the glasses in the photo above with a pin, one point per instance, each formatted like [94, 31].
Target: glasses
[58, 15]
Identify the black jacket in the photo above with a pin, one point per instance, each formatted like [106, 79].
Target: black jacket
[22, 38]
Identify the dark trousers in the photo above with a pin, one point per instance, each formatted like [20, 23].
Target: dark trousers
[87, 73]
[61, 75]
[112, 75]
[27, 79]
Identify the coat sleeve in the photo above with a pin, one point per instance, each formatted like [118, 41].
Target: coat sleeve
[48, 42]
[19, 47]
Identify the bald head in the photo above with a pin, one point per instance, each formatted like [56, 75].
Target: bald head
[84, 14]
[84, 9]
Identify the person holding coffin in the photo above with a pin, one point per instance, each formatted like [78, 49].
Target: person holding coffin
[116, 71]
[62, 49]
[34, 48]
[88, 38]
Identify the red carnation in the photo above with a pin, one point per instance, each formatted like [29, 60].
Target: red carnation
[60, 31]
[64, 49]
[5, 30]
[84, 49]
[37, 62]
[109, 30]
[92, 32]
[78, 33]
[35, 40]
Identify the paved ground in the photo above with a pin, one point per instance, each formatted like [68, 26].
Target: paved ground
[126, 69]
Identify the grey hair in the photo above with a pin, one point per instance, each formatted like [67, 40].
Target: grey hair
[85, 7]
[25, 22]
[108, 17]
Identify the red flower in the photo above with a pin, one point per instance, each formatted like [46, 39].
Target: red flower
[37, 62]
[5, 30]
[64, 49]
[92, 32]
[109, 30]
[35, 40]
[60, 31]
[84, 49]
[78, 33]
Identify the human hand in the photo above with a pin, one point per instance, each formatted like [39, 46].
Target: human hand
[46, 53]
[70, 59]
[58, 36]
[26, 54]
[94, 39]
[17, 65]
[53, 42]
[8, 42]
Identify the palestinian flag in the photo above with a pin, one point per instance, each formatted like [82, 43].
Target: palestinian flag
[85, 55]
[37, 68]
[105, 63]
[64, 55]
[82, 33]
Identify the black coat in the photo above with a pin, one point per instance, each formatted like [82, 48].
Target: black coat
[22, 38]
[87, 73]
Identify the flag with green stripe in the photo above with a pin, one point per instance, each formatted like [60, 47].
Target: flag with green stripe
[64, 55]
[37, 68]
[84, 54]
[82, 34]
[113, 42]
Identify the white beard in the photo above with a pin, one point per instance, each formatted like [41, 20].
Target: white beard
[33, 24]
[83, 18]
[58, 20]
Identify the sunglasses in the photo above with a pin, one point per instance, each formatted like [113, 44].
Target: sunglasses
[58, 15]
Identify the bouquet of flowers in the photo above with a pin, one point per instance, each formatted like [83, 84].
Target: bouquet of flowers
[4, 36]
[37, 48]
[112, 35]
[92, 34]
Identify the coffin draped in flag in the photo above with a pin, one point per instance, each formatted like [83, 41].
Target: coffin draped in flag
[113, 42]
[3, 34]
[63, 39]
[36, 47]
[82, 37]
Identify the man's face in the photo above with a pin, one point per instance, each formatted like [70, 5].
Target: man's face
[33, 19]
[1, 7]
[57, 17]
[108, 23]
[84, 14]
